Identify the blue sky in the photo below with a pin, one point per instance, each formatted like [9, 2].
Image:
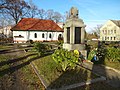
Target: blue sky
[93, 12]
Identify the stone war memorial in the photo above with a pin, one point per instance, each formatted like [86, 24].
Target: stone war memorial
[74, 32]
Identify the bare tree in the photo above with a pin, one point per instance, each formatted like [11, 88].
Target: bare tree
[2, 4]
[5, 20]
[96, 30]
[2, 24]
[49, 14]
[65, 16]
[33, 10]
[41, 13]
[14, 8]
[57, 17]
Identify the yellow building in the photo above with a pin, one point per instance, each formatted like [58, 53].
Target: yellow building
[110, 31]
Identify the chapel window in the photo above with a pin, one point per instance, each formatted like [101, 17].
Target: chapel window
[35, 35]
[43, 35]
[50, 35]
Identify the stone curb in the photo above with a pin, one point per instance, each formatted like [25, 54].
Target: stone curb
[66, 87]
[40, 77]
[80, 84]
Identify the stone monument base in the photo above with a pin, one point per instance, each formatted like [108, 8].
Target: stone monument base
[80, 47]
[74, 46]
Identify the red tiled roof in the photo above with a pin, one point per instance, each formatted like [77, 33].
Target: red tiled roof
[36, 24]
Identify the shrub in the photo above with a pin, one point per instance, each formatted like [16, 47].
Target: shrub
[113, 54]
[40, 48]
[60, 42]
[66, 59]
[101, 53]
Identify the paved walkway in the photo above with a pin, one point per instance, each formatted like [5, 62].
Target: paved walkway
[112, 76]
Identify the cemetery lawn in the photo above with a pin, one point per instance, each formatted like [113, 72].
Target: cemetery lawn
[16, 72]
[56, 78]
[3, 47]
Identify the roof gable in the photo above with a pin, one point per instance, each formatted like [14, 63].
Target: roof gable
[113, 22]
[36, 24]
[117, 22]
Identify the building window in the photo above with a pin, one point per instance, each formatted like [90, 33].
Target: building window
[114, 31]
[103, 31]
[107, 38]
[108, 31]
[114, 38]
[111, 38]
[50, 35]
[111, 31]
[60, 37]
[35, 35]
[102, 38]
[43, 35]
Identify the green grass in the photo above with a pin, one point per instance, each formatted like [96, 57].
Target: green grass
[56, 78]
[115, 65]
[27, 75]
[31, 79]
[4, 58]
[2, 47]
[47, 68]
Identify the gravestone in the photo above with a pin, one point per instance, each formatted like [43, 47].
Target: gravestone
[74, 32]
